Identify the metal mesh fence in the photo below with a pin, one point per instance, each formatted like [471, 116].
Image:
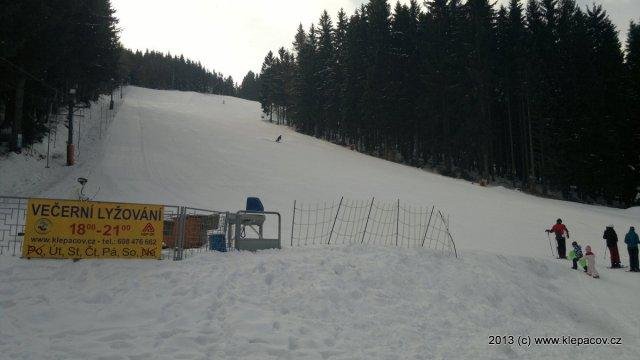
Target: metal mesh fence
[350, 222]
[368, 222]
[197, 226]
[12, 220]
[371, 222]
[170, 231]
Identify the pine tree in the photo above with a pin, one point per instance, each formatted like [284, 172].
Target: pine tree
[325, 74]
[632, 63]
[304, 91]
[250, 87]
[605, 134]
[481, 42]
[442, 50]
[475, 93]
[538, 105]
[405, 80]
[44, 54]
[340, 62]
[267, 90]
[377, 95]
[355, 73]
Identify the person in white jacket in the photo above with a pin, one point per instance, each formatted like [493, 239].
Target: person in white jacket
[591, 262]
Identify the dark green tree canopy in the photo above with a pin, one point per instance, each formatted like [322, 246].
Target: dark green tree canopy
[537, 95]
[49, 47]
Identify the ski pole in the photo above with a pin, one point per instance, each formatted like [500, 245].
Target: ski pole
[550, 245]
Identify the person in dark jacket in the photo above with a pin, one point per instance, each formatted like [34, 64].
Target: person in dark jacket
[612, 243]
[632, 241]
[559, 229]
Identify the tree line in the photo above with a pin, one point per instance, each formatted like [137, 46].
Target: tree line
[156, 70]
[46, 49]
[538, 95]
[250, 87]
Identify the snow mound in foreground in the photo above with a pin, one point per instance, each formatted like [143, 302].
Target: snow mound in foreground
[323, 303]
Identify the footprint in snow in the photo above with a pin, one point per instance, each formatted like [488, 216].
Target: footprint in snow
[330, 342]
[293, 343]
[120, 344]
[268, 279]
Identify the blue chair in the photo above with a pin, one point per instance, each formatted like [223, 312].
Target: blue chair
[254, 204]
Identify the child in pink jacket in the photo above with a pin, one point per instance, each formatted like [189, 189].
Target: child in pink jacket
[591, 262]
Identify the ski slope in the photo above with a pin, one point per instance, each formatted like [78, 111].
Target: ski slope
[330, 303]
[186, 148]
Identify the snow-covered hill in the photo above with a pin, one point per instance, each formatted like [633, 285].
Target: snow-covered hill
[193, 149]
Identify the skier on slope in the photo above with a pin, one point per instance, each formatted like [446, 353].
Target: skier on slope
[591, 262]
[559, 229]
[279, 138]
[577, 255]
[612, 243]
[631, 239]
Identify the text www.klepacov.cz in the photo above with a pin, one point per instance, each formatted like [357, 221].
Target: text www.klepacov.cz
[553, 340]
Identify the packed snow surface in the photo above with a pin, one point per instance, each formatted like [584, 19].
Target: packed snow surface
[331, 303]
[320, 303]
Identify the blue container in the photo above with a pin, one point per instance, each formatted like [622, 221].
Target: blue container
[254, 204]
[217, 242]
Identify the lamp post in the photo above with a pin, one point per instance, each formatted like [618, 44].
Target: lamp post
[112, 90]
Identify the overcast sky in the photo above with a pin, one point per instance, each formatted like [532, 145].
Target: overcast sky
[233, 36]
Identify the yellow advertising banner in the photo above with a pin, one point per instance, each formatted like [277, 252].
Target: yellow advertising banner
[69, 229]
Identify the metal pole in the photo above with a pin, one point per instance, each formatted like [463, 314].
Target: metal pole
[334, 220]
[397, 221]
[17, 227]
[79, 134]
[49, 135]
[367, 223]
[101, 111]
[177, 252]
[48, 145]
[184, 231]
[428, 223]
[228, 228]
[449, 233]
[293, 221]
[279, 231]
[70, 150]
